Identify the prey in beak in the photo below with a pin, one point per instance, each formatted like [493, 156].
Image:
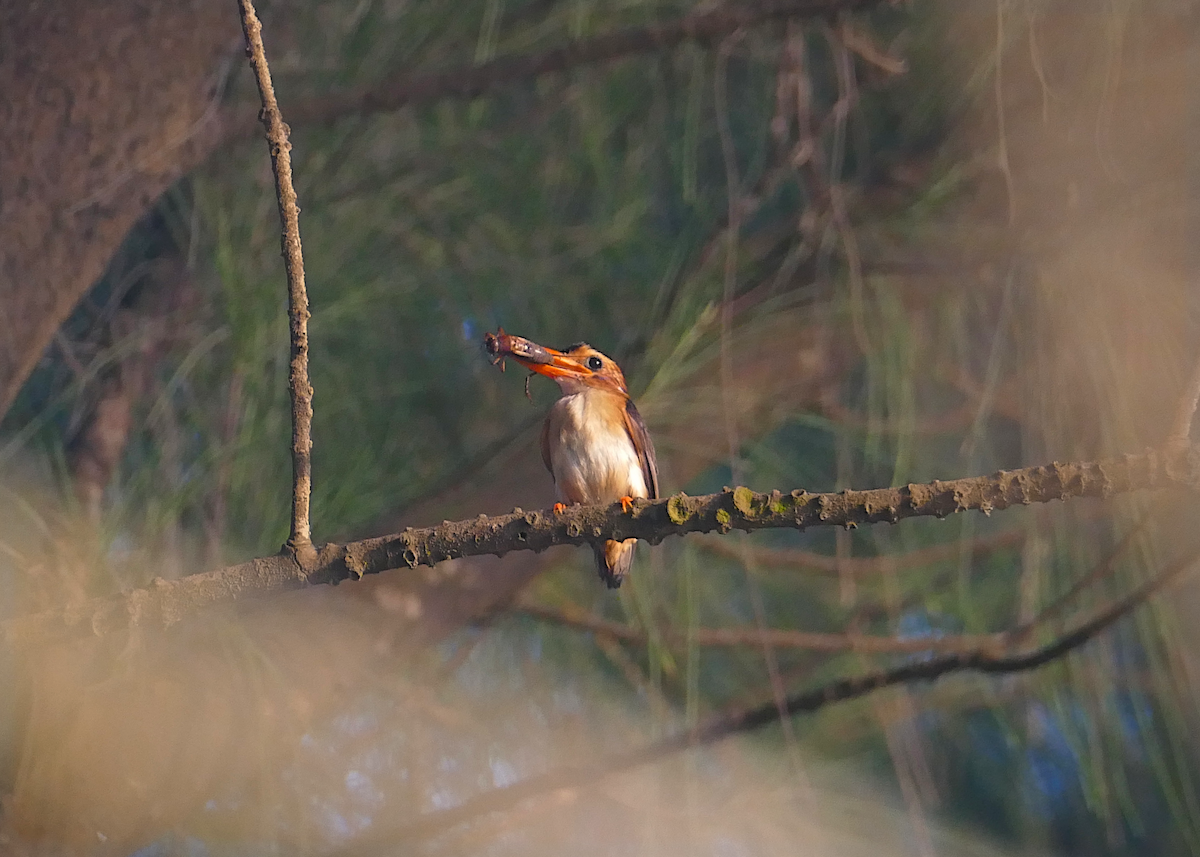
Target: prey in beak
[594, 441]
[577, 367]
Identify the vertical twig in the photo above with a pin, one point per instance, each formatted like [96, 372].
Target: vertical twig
[289, 213]
[1001, 121]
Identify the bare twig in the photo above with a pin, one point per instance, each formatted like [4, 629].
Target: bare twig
[868, 565]
[839, 116]
[864, 46]
[1002, 641]
[300, 541]
[748, 719]
[1057, 608]
[778, 638]
[166, 602]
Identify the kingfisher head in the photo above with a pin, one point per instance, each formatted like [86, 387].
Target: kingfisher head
[576, 368]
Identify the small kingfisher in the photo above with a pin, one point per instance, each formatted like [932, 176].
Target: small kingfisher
[594, 442]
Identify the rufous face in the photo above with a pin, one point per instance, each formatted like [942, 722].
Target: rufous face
[580, 365]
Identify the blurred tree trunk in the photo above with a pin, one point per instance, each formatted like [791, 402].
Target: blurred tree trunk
[105, 104]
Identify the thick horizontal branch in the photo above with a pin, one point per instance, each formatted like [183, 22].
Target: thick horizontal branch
[476, 80]
[733, 509]
[748, 719]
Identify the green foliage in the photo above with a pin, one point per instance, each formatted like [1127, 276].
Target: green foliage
[593, 204]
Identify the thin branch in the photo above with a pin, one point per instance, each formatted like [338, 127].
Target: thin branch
[573, 617]
[871, 565]
[475, 80]
[813, 641]
[167, 602]
[748, 719]
[1057, 608]
[864, 47]
[300, 540]
[1002, 641]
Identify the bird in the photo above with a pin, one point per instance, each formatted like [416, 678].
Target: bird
[594, 442]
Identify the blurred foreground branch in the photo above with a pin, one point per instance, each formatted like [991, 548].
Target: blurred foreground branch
[167, 602]
[737, 721]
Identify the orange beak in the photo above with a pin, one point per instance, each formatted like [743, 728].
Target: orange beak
[578, 367]
[558, 365]
[536, 358]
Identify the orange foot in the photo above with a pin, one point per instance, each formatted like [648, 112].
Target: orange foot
[627, 504]
[559, 508]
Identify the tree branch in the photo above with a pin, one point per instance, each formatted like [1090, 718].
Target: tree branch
[300, 540]
[813, 641]
[864, 566]
[166, 602]
[1057, 609]
[748, 719]
[475, 80]
[1002, 641]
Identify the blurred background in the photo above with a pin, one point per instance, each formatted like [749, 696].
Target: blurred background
[923, 240]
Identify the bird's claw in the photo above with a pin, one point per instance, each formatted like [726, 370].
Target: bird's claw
[559, 508]
[626, 504]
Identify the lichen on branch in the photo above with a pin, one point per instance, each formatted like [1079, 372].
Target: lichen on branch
[166, 602]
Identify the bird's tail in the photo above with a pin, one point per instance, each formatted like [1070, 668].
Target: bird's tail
[614, 559]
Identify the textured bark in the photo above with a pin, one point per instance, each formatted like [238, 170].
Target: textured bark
[103, 106]
[293, 261]
[168, 602]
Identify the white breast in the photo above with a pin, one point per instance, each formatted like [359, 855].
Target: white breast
[591, 454]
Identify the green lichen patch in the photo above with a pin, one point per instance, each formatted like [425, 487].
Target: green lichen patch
[677, 509]
[743, 500]
[723, 517]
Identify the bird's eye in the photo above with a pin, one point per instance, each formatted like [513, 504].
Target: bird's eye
[595, 363]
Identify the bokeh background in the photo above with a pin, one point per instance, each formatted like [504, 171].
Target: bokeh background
[920, 241]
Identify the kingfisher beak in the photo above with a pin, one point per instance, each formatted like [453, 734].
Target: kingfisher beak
[536, 358]
[554, 364]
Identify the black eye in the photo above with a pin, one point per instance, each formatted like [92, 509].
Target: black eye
[595, 364]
